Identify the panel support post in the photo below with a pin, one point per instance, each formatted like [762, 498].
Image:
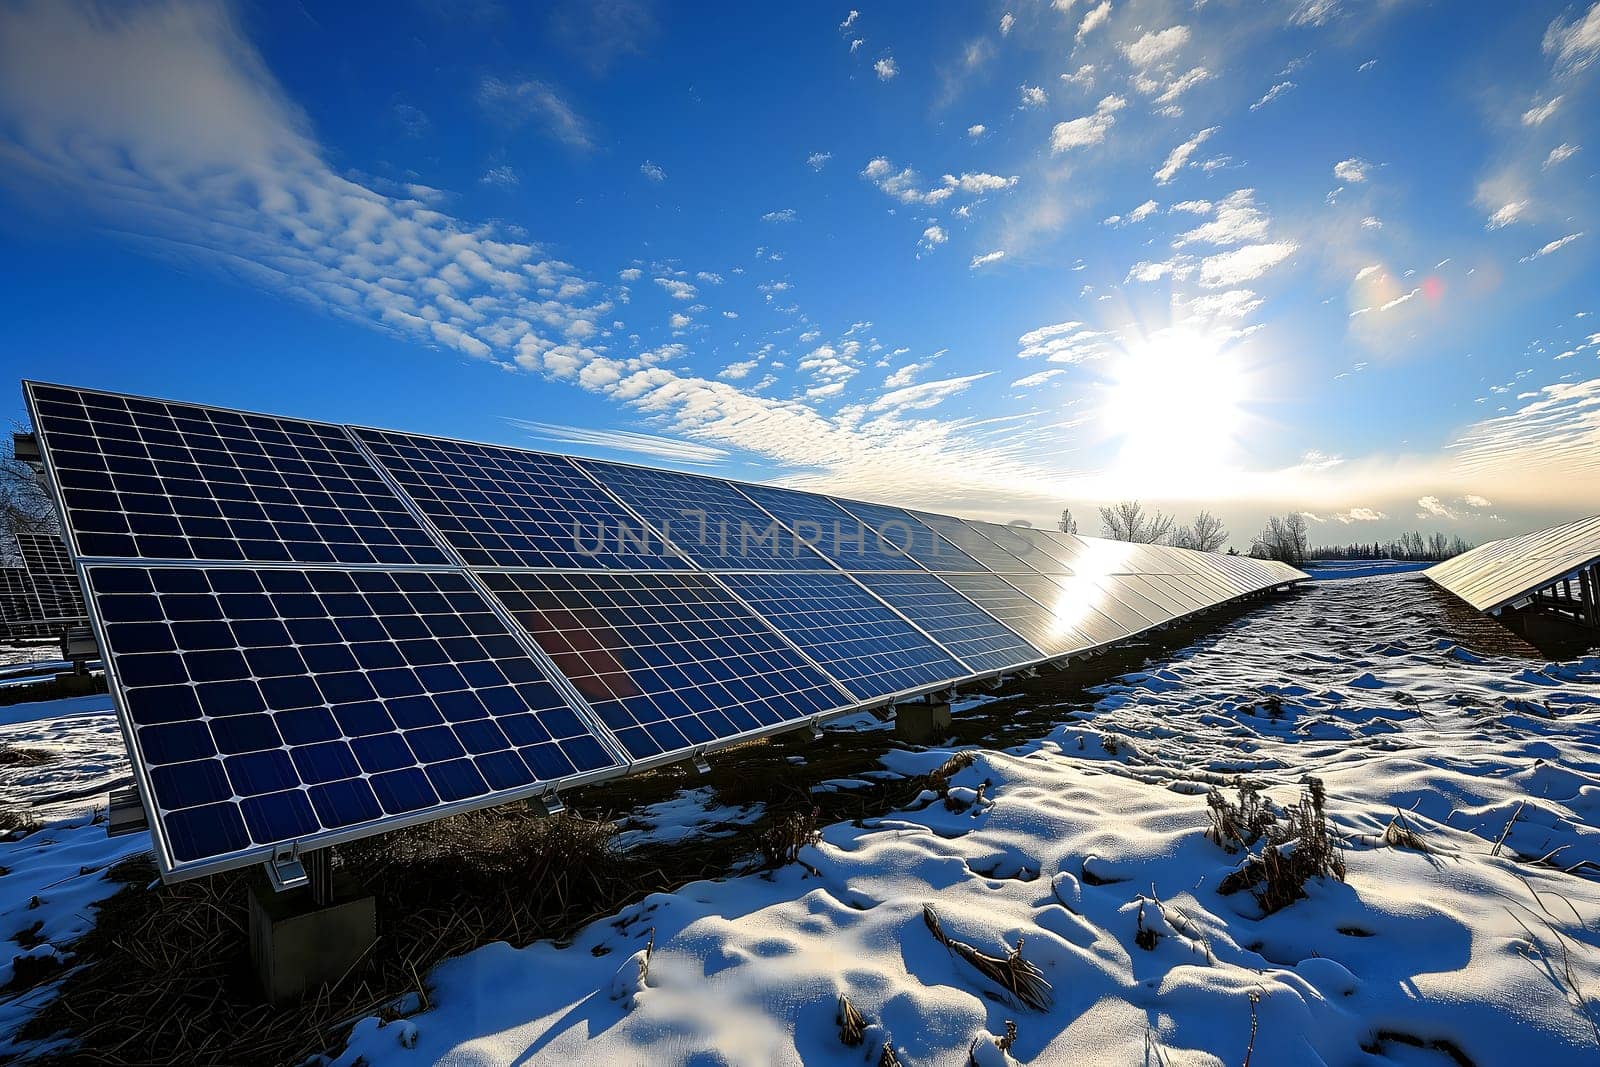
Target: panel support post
[922, 724]
[298, 942]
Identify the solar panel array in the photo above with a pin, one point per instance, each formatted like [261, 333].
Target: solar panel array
[56, 593]
[1501, 572]
[19, 608]
[316, 632]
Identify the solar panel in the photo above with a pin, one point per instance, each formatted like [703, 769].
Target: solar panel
[19, 609]
[897, 527]
[1496, 574]
[1033, 621]
[55, 582]
[276, 705]
[709, 520]
[844, 539]
[1080, 605]
[506, 507]
[989, 543]
[974, 636]
[848, 632]
[669, 662]
[157, 480]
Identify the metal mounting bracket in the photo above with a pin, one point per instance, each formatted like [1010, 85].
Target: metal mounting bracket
[700, 763]
[284, 869]
[549, 804]
[125, 812]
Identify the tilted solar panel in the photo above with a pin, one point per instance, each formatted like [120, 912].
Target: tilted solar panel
[1078, 605]
[55, 582]
[1033, 621]
[156, 480]
[670, 662]
[277, 705]
[848, 632]
[1496, 574]
[505, 507]
[844, 539]
[897, 527]
[989, 543]
[974, 636]
[709, 520]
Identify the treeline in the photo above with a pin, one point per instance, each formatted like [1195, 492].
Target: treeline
[1409, 546]
[1128, 521]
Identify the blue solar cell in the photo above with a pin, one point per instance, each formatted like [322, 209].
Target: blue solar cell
[709, 520]
[155, 480]
[844, 539]
[506, 507]
[250, 745]
[55, 584]
[970, 633]
[670, 662]
[917, 540]
[850, 633]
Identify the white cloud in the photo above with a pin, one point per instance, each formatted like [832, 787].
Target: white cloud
[1088, 130]
[677, 288]
[515, 103]
[1314, 12]
[1237, 220]
[1007, 21]
[1536, 114]
[904, 184]
[1473, 500]
[1352, 170]
[1372, 222]
[1272, 94]
[1554, 246]
[1368, 65]
[1156, 46]
[886, 68]
[735, 371]
[623, 441]
[976, 130]
[1231, 304]
[987, 258]
[1038, 378]
[1433, 507]
[818, 160]
[1574, 45]
[1506, 214]
[849, 20]
[1368, 271]
[652, 171]
[1560, 154]
[632, 274]
[925, 394]
[787, 214]
[1178, 158]
[678, 320]
[1359, 515]
[905, 375]
[1033, 96]
[1244, 264]
[709, 277]
[504, 177]
[932, 238]
[1094, 18]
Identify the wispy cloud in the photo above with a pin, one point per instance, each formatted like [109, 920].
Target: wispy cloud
[1088, 130]
[623, 441]
[1272, 94]
[531, 101]
[987, 258]
[1554, 246]
[1179, 157]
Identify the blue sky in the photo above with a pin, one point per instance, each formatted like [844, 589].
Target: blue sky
[1335, 256]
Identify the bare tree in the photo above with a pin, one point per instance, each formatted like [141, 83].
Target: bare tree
[1068, 524]
[1206, 533]
[1127, 521]
[1285, 539]
[24, 504]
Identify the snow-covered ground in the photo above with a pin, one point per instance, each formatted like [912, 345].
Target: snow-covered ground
[1088, 845]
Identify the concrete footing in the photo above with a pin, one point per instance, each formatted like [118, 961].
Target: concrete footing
[297, 944]
[922, 724]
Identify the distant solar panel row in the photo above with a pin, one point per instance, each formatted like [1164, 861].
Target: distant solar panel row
[1499, 573]
[317, 632]
[56, 594]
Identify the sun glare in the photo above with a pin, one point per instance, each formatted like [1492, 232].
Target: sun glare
[1174, 411]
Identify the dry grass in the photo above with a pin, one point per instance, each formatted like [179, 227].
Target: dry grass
[852, 1027]
[1299, 847]
[1241, 823]
[24, 756]
[1399, 834]
[17, 822]
[1025, 982]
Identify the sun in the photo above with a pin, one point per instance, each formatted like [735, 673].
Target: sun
[1174, 411]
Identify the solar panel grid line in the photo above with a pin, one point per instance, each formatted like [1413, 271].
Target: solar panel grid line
[962, 626]
[709, 520]
[530, 647]
[156, 479]
[923, 543]
[474, 495]
[982, 541]
[833, 528]
[270, 706]
[821, 613]
[671, 662]
[56, 590]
